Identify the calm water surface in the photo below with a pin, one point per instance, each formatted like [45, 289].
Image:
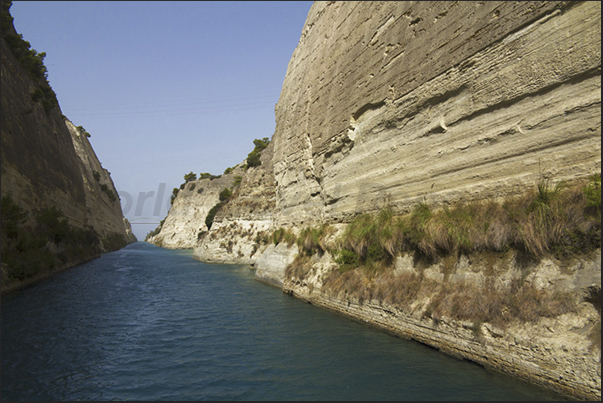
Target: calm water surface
[145, 323]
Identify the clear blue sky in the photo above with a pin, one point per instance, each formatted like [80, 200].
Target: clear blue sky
[168, 87]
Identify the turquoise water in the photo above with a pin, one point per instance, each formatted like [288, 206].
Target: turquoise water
[145, 323]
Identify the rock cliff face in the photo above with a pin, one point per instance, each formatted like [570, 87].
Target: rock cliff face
[186, 218]
[399, 102]
[237, 226]
[103, 210]
[388, 104]
[560, 353]
[241, 228]
[59, 205]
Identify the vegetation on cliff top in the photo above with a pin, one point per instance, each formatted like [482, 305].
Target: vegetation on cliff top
[29, 59]
[83, 131]
[253, 158]
[190, 177]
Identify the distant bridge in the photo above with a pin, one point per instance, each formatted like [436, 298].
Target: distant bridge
[144, 220]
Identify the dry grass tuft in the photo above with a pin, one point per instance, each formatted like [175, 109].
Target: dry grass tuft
[313, 240]
[550, 219]
[283, 235]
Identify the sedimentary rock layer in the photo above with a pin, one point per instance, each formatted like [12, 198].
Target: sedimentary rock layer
[186, 218]
[399, 102]
[395, 103]
[241, 228]
[48, 165]
[557, 353]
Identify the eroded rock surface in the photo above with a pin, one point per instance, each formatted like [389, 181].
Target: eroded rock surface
[69, 209]
[396, 102]
[241, 228]
[186, 218]
[560, 353]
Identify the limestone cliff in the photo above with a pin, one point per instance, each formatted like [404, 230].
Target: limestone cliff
[59, 206]
[241, 228]
[186, 219]
[391, 105]
[400, 102]
[388, 104]
[103, 210]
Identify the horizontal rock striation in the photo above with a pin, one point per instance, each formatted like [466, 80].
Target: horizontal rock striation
[241, 228]
[558, 353]
[395, 103]
[389, 104]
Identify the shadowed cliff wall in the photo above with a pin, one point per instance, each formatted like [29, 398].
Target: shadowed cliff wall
[60, 207]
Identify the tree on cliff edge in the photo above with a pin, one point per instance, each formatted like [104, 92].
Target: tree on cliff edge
[190, 177]
[253, 159]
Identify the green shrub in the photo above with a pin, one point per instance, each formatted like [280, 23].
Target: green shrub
[207, 175]
[209, 219]
[260, 144]
[237, 181]
[347, 259]
[374, 238]
[83, 131]
[13, 216]
[593, 192]
[174, 194]
[37, 95]
[225, 194]
[190, 177]
[108, 192]
[312, 240]
[419, 218]
[253, 159]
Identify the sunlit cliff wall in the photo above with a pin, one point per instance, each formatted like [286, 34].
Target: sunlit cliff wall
[389, 104]
[400, 102]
